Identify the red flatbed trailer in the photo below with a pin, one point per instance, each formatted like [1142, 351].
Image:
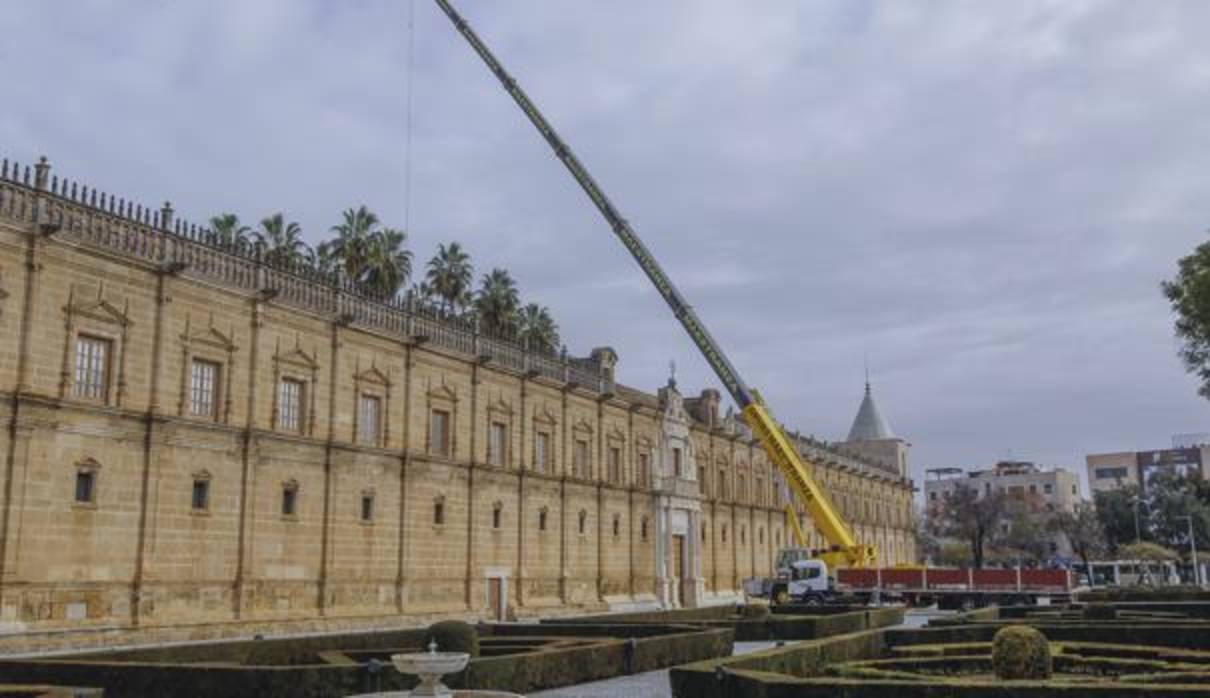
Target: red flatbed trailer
[958, 588]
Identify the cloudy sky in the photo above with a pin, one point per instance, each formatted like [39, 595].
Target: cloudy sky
[980, 197]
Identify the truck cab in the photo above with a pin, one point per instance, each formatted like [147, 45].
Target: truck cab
[809, 582]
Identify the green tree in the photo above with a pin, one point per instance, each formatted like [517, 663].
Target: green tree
[450, 275]
[1189, 295]
[1084, 532]
[228, 230]
[537, 329]
[1172, 496]
[496, 303]
[1116, 512]
[322, 258]
[1024, 534]
[282, 241]
[388, 263]
[351, 246]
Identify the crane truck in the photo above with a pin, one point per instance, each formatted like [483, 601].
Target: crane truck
[843, 550]
[802, 574]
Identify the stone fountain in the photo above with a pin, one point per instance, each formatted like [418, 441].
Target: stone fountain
[430, 667]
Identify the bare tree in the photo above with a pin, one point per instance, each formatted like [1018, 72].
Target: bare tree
[1084, 532]
[965, 514]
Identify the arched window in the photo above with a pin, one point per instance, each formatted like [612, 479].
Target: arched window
[87, 472]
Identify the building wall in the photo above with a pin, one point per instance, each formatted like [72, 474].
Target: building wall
[443, 527]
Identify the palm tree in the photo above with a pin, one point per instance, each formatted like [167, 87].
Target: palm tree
[282, 241]
[497, 302]
[450, 275]
[228, 231]
[351, 246]
[321, 258]
[388, 264]
[537, 329]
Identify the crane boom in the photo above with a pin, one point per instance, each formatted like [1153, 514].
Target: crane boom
[844, 548]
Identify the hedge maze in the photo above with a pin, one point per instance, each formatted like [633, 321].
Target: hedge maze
[1097, 649]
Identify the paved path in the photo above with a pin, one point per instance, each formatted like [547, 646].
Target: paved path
[654, 684]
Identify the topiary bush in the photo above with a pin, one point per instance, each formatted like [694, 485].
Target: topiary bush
[453, 636]
[1021, 652]
[1099, 611]
[754, 611]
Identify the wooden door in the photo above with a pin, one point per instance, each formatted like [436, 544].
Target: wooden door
[495, 597]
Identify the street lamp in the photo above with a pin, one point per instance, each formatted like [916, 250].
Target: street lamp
[1197, 575]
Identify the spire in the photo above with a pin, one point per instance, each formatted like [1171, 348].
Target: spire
[869, 424]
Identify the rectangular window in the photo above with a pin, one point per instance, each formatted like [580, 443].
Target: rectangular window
[289, 405]
[289, 501]
[615, 464]
[1048, 488]
[701, 481]
[497, 443]
[677, 463]
[580, 459]
[203, 388]
[369, 420]
[741, 489]
[86, 481]
[722, 483]
[644, 475]
[542, 452]
[439, 432]
[1111, 473]
[201, 494]
[760, 491]
[92, 367]
[367, 507]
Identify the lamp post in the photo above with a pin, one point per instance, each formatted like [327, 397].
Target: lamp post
[1197, 575]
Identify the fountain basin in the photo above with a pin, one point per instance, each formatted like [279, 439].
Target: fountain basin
[431, 663]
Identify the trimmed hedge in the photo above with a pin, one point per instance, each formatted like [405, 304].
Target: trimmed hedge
[453, 636]
[1020, 653]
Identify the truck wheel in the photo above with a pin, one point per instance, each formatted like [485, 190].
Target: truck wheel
[812, 600]
[781, 596]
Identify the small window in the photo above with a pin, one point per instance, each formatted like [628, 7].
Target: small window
[542, 452]
[86, 485]
[439, 432]
[542, 520]
[367, 506]
[289, 499]
[743, 535]
[722, 483]
[617, 525]
[369, 420]
[496, 515]
[760, 535]
[701, 481]
[643, 528]
[615, 464]
[644, 474]
[1074, 490]
[201, 493]
[703, 536]
[1048, 488]
[723, 533]
[438, 512]
[677, 461]
[203, 388]
[290, 405]
[92, 367]
[583, 521]
[497, 443]
[580, 459]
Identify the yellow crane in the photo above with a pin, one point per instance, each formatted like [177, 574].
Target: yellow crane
[843, 548]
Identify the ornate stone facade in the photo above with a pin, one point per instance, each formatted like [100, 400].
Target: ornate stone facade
[194, 437]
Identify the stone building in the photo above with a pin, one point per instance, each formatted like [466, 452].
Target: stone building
[198, 441]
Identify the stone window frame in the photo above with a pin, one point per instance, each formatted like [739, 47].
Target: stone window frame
[289, 500]
[91, 468]
[204, 478]
[743, 534]
[544, 422]
[582, 433]
[643, 451]
[497, 515]
[372, 383]
[760, 535]
[438, 519]
[616, 526]
[499, 413]
[368, 495]
[217, 348]
[643, 528]
[582, 523]
[299, 366]
[723, 533]
[441, 399]
[543, 514]
[100, 319]
[615, 441]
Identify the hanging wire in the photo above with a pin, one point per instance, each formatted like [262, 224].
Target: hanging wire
[407, 158]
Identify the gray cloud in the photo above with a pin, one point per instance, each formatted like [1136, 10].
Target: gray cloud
[982, 197]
